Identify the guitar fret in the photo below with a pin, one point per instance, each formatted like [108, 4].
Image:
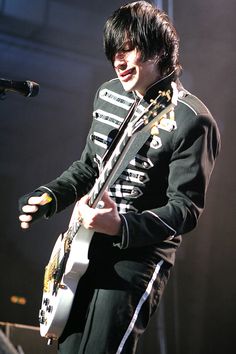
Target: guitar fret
[108, 168]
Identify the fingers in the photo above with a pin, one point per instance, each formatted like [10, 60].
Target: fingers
[31, 208]
[108, 202]
[42, 200]
[24, 225]
[25, 219]
[84, 209]
[84, 199]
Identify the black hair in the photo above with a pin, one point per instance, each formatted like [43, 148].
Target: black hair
[146, 28]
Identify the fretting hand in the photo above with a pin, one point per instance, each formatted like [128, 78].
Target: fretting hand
[104, 220]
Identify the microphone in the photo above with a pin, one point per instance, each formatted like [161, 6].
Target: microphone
[26, 88]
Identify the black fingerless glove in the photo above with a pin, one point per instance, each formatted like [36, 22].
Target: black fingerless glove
[43, 210]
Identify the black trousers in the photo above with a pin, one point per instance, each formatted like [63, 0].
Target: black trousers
[113, 304]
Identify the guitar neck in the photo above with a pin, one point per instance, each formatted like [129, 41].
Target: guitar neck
[110, 168]
[152, 115]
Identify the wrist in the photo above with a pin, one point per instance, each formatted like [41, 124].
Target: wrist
[116, 227]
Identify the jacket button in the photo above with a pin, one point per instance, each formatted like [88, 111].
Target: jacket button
[145, 164]
[154, 143]
[134, 192]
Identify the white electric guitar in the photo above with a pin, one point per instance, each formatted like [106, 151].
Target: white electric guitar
[69, 258]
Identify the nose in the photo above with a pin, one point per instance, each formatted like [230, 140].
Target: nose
[120, 61]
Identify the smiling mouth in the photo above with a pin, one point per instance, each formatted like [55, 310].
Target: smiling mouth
[127, 74]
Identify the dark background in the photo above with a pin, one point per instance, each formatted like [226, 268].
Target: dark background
[58, 43]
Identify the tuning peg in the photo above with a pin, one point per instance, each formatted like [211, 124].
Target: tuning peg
[171, 115]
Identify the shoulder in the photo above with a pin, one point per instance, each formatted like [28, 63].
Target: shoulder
[113, 85]
[188, 101]
[194, 121]
[192, 112]
[112, 93]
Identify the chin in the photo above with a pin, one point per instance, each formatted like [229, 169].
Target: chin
[128, 88]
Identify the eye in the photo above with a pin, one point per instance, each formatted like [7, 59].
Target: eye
[126, 49]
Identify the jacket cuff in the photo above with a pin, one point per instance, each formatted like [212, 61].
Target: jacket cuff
[53, 204]
[170, 229]
[124, 237]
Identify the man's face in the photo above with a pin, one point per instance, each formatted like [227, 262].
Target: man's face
[134, 74]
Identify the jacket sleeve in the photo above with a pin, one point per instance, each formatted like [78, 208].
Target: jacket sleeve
[75, 182]
[196, 146]
[66, 189]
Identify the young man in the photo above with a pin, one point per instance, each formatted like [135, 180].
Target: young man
[157, 198]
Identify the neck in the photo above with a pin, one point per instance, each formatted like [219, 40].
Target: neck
[139, 94]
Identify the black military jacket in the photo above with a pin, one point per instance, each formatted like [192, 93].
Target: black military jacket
[161, 193]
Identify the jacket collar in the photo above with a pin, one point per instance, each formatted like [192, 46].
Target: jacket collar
[159, 85]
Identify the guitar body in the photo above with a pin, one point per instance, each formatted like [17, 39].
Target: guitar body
[62, 274]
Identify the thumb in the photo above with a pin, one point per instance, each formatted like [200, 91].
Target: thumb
[108, 202]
